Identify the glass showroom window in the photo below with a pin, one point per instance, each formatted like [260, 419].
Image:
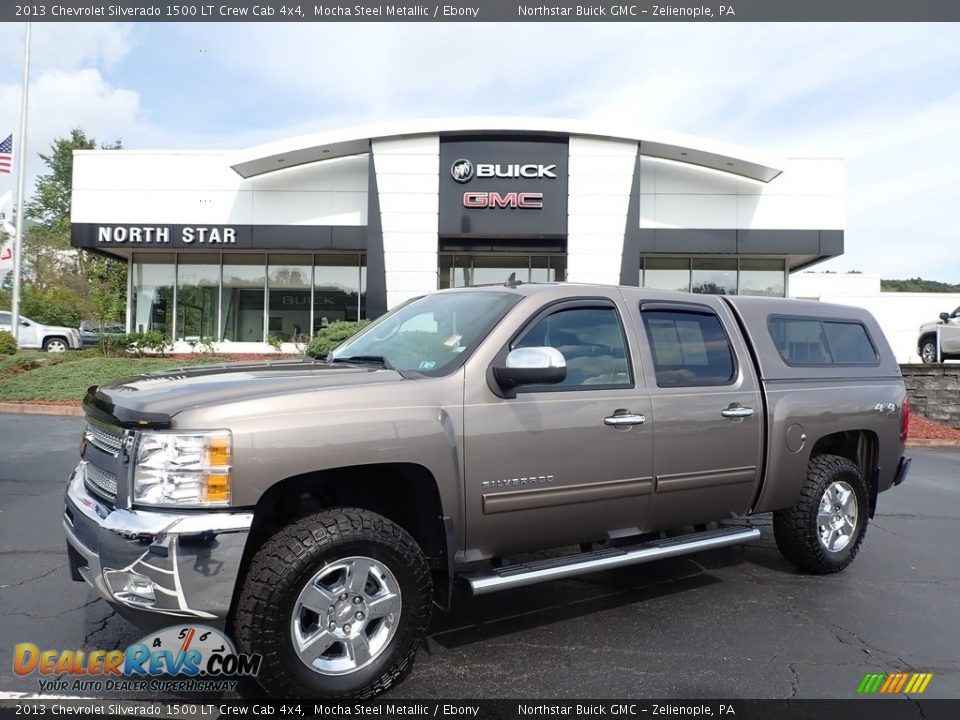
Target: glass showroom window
[462, 270]
[198, 292]
[762, 277]
[241, 298]
[339, 288]
[153, 280]
[714, 276]
[288, 277]
[667, 274]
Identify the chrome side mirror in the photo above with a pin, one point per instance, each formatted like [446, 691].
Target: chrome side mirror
[531, 366]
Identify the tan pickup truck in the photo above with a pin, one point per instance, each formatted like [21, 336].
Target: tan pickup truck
[318, 510]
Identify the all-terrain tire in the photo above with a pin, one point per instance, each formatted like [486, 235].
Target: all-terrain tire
[285, 564]
[796, 529]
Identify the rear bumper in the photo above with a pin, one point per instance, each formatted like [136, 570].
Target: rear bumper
[191, 561]
[902, 469]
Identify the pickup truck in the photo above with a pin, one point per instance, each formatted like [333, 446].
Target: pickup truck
[34, 335]
[318, 510]
[948, 330]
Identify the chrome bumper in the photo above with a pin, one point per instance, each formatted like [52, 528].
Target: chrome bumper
[191, 560]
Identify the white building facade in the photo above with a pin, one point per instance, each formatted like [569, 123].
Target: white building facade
[281, 239]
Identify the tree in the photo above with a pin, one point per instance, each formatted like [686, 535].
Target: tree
[62, 284]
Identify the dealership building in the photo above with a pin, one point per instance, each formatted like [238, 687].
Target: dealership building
[281, 239]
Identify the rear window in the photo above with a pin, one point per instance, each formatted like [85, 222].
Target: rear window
[808, 341]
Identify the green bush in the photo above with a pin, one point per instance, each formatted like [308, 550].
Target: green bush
[326, 339]
[57, 305]
[8, 346]
[138, 344]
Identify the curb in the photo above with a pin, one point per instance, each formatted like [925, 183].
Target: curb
[39, 409]
[930, 442]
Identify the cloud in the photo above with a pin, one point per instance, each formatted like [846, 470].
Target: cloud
[64, 46]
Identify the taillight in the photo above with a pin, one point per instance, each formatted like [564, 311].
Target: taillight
[905, 420]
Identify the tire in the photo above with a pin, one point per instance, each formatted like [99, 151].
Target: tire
[824, 547]
[928, 349]
[312, 562]
[55, 344]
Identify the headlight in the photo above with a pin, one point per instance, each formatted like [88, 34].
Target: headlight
[183, 468]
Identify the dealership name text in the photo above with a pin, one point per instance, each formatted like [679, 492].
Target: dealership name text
[152, 234]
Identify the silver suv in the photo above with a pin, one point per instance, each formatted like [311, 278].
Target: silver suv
[949, 324]
[34, 335]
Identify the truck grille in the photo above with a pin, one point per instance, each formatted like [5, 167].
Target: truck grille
[101, 482]
[105, 437]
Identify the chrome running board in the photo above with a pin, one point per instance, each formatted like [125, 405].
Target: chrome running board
[538, 571]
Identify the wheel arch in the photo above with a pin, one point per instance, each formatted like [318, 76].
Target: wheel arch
[404, 493]
[862, 447]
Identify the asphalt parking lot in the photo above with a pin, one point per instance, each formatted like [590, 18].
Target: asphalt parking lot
[732, 623]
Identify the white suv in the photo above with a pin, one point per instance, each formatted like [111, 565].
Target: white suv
[35, 335]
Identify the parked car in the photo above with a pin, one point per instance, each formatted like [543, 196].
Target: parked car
[34, 335]
[319, 509]
[91, 331]
[949, 324]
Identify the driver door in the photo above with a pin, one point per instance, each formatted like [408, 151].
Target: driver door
[548, 467]
[950, 334]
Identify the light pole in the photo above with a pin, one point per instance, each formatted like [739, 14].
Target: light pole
[21, 176]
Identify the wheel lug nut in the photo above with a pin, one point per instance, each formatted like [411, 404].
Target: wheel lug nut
[359, 616]
[357, 600]
[330, 610]
[343, 597]
[332, 626]
[346, 628]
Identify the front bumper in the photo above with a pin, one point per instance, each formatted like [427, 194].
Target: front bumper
[191, 560]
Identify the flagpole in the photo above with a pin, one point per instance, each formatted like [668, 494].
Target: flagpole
[20, 142]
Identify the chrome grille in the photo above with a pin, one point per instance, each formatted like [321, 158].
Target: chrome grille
[105, 437]
[100, 481]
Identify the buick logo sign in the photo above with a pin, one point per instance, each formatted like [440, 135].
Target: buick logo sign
[462, 170]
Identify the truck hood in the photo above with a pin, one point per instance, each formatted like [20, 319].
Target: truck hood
[930, 326]
[151, 400]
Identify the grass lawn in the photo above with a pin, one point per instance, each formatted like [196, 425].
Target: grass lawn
[66, 376]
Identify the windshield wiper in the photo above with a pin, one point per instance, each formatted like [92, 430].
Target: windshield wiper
[360, 359]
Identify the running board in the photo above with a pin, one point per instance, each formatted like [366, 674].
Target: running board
[512, 576]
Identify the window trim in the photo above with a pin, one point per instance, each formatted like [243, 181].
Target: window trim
[820, 319]
[551, 308]
[688, 308]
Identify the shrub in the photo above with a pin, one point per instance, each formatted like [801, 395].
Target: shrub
[275, 342]
[326, 339]
[138, 344]
[8, 346]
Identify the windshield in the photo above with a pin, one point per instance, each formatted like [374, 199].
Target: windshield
[430, 335]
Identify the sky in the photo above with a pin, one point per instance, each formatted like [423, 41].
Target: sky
[885, 97]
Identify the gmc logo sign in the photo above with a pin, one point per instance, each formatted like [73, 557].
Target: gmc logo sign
[521, 200]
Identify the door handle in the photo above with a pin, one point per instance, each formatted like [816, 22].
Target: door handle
[737, 412]
[625, 419]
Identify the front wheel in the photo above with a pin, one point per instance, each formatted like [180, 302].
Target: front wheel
[55, 345]
[337, 604]
[822, 533]
[928, 350]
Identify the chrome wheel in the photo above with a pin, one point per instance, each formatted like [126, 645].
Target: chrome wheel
[56, 346]
[928, 352]
[837, 516]
[346, 616]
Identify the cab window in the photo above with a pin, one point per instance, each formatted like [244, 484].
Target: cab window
[592, 342]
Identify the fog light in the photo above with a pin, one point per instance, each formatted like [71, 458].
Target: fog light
[130, 586]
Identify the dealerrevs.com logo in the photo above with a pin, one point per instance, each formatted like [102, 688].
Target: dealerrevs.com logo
[183, 658]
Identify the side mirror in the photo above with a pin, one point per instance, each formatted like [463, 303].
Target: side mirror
[531, 366]
[945, 317]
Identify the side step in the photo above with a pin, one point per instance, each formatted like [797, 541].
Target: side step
[512, 576]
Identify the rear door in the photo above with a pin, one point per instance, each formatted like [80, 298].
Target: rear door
[567, 463]
[707, 412]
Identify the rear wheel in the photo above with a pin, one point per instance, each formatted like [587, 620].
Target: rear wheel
[55, 344]
[822, 533]
[337, 603]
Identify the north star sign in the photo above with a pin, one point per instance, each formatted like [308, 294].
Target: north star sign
[159, 234]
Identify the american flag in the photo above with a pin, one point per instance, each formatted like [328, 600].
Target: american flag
[6, 155]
